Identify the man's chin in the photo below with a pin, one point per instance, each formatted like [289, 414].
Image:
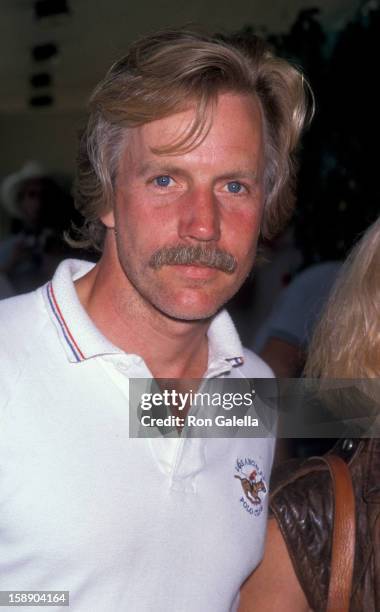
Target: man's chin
[192, 304]
[190, 314]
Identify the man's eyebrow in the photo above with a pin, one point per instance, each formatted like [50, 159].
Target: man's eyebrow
[239, 173]
[160, 167]
[163, 168]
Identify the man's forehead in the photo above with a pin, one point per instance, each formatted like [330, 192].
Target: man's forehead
[165, 131]
[231, 120]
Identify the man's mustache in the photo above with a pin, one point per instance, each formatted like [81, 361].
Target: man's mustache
[183, 255]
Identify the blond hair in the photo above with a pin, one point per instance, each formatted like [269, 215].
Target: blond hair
[165, 73]
[346, 342]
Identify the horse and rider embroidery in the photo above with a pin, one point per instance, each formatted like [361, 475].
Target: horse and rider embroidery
[253, 483]
[252, 487]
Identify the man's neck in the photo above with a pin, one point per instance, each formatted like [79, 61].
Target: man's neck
[170, 348]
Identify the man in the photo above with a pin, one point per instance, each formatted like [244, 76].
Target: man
[186, 157]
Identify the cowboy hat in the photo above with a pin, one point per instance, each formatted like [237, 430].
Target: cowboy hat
[11, 184]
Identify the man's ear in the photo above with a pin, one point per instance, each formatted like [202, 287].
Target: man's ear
[108, 219]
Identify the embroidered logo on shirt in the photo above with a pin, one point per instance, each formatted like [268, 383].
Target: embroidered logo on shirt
[253, 484]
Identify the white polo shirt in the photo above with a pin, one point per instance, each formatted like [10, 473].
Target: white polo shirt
[129, 525]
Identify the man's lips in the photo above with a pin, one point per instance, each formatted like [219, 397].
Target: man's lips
[194, 271]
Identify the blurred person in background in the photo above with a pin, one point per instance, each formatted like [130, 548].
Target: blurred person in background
[39, 212]
[284, 337]
[295, 573]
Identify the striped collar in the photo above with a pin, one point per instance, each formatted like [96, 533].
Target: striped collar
[82, 340]
[70, 341]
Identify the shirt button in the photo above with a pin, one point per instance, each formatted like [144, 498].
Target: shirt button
[348, 445]
[122, 367]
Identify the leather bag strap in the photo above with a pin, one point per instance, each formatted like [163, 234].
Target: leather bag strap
[343, 538]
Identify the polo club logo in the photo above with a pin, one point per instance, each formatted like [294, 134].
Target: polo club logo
[253, 484]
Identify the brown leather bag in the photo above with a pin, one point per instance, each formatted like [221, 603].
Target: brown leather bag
[302, 501]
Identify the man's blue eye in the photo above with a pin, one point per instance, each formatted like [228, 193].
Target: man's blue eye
[234, 187]
[162, 181]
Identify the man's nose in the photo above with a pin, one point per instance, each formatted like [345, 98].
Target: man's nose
[200, 216]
